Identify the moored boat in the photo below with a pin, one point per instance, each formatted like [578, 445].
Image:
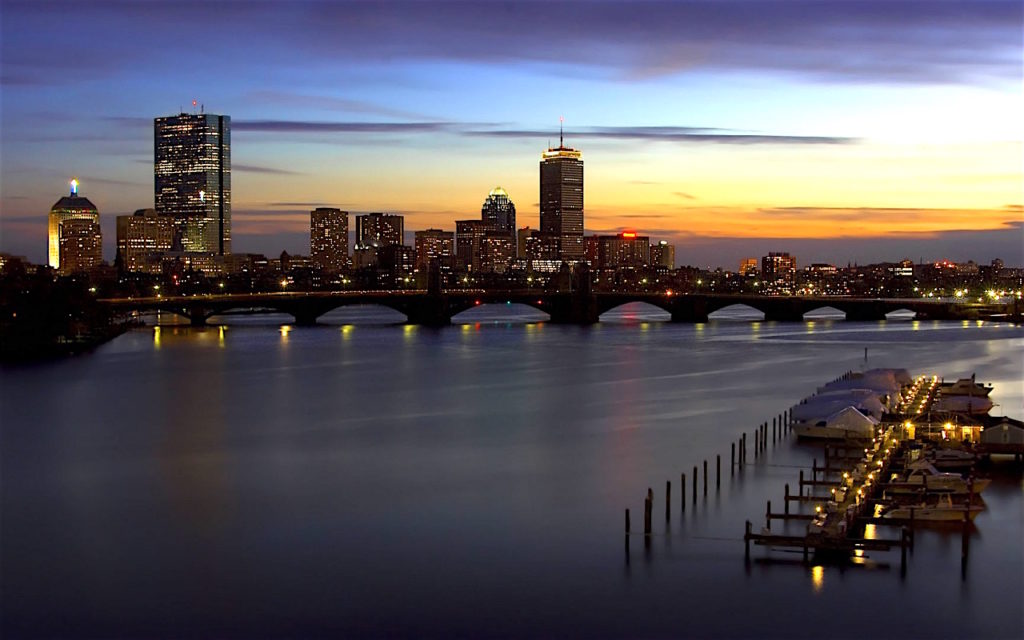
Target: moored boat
[942, 510]
[923, 475]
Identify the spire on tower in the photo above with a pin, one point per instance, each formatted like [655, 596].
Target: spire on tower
[561, 119]
[74, 186]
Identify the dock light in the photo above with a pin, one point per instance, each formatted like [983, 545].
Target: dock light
[284, 283]
[817, 509]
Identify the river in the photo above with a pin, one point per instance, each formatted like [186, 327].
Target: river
[367, 478]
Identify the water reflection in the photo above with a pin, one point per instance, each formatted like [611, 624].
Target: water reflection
[818, 577]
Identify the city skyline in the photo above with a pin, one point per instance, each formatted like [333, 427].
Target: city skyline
[862, 132]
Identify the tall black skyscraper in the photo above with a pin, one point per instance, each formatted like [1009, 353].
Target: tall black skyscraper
[561, 199]
[192, 178]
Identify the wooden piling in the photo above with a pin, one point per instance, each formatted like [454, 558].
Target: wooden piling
[785, 503]
[768, 515]
[694, 485]
[705, 478]
[682, 492]
[732, 457]
[718, 472]
[647, 513]
[627, 522]
[746, 540]
[668, 500]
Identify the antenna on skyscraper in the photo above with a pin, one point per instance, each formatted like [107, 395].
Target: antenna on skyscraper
[561, 143]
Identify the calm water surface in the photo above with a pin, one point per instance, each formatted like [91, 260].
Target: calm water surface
[372, 479]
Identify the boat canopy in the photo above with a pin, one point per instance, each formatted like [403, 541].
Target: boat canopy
[852, 422]
[820, 407]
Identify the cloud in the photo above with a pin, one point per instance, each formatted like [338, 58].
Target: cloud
[300, 204]
[311, 126]
[862, 41]
[667, 134]
[331, 103]
[684, 195]
[252, 168]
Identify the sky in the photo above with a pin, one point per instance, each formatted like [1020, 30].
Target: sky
[839, 131]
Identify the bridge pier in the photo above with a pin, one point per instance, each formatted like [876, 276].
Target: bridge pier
[865, 315]
[574, 308]
[783, 315]
[429, 311]
[305, 319]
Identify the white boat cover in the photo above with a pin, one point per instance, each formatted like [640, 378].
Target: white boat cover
[853, 422]
[821, 407]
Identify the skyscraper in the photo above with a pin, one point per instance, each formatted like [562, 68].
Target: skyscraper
[498, 212]
[434, 244]
[81, 245]
[142, 238]
[663, 254]
[192, 178]
[379, 230]
[328, 238]
[561, 199]
[70, 207]
[778, 267]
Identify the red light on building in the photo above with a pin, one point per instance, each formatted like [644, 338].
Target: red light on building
[629, 234]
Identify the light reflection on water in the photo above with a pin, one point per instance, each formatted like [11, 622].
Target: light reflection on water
[279, 480]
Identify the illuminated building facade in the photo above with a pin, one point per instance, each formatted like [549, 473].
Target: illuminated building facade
[70, 207]
[663, 255]
[469, 235]
[192, 178]
[497, 252]
[499, 213]
[748, 267]
[81, 245]
[521, 238]
[434, 244]
[541, 246]
[628, 249]
[778, 267]
[142, 240]
[561, 199]
[328, 238]
[378, 230]
[396, 261]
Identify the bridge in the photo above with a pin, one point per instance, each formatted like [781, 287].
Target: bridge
[437, 308]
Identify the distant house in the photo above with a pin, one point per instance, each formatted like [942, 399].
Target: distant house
[1002, 435]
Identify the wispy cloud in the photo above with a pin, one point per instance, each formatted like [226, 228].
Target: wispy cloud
[299, 204]
[667, 134]
[330, 103]
[252, 168]
[312, 126]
